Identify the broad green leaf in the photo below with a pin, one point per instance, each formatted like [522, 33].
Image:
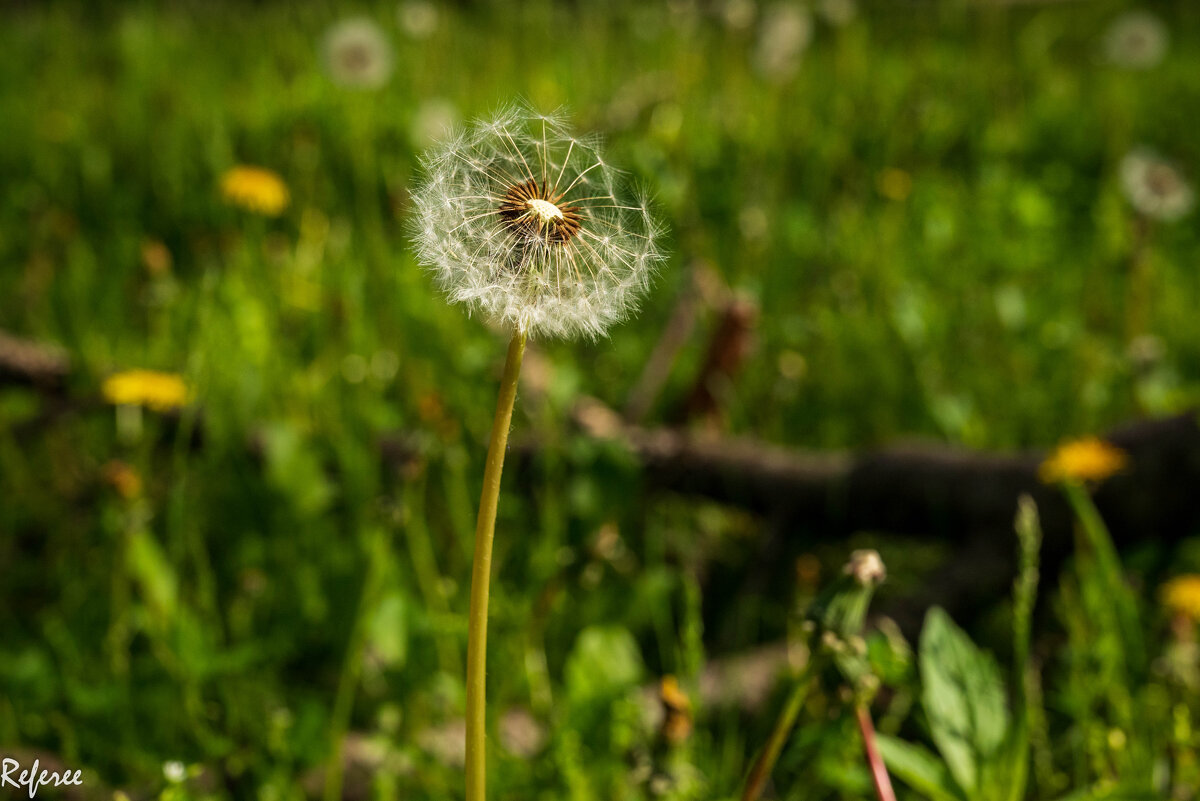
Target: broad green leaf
[964, 700]
[920, 769]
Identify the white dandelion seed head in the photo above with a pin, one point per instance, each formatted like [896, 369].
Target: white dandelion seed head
[786, 32]
[1137, 40]
[357, 54]
[738, 15]
[418, 18]
[1155, 187]
[838, 13]
[525, 222]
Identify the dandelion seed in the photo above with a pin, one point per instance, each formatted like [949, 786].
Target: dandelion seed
[160, 392]
[1086, 459]
[785, 34]
[1181, 596]
[255, 189]
[1136, 40]
[357, 54]
[528, 224]
[1155, 187]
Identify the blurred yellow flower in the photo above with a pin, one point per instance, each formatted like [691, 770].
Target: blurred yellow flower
[123, 478]
[677, 711]
[154, 390]
[1086, 459]
[1181, 596]
[255, 189]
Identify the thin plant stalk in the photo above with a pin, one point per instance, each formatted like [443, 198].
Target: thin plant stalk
[343, 704]
[481, 572]
[756, 780]
[429, 577]
[879, 774]
[1097, 542]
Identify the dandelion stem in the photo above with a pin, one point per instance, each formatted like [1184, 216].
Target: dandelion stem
[757, 779]
[879, 774]
[481, 571]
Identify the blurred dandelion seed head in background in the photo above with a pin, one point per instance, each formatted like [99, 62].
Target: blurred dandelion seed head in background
[1155, 187]
[1181, 596]
[160, 392]
[784, 35]
[838, 13]
[738, 15]
[526, 222]
[1086, 459]
[417, 18]
[255, 189]
[1136, 40]
[357, 54]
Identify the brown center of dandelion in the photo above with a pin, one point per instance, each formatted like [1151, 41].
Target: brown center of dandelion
[1162, 180]
[531, 208]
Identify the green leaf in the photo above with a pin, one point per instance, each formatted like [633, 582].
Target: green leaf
[153, 574]
[388, 636]
[964, 700]
[1116, 794]
[605, 662]
[920, 769]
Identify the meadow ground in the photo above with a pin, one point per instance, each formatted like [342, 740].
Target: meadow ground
[925, 205]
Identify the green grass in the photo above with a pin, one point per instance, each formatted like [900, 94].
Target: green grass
[987, 307]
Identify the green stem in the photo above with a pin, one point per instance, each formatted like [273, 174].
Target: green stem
[343, 704]
[429, 577]
[1122, 602]
[757, 779]
[481, 573]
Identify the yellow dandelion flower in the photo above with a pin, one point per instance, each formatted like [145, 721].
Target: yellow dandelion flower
[255, 189]
[1181, 596]
[154, 390]
[1086, 459]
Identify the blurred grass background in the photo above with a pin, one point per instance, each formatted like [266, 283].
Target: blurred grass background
[927, 211]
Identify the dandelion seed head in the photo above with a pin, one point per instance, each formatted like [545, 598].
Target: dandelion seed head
[1136, 40]
[418, 18]
[1155, 187]
[838, 13]
[357, 54]
[526, 223]
[786, 32]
